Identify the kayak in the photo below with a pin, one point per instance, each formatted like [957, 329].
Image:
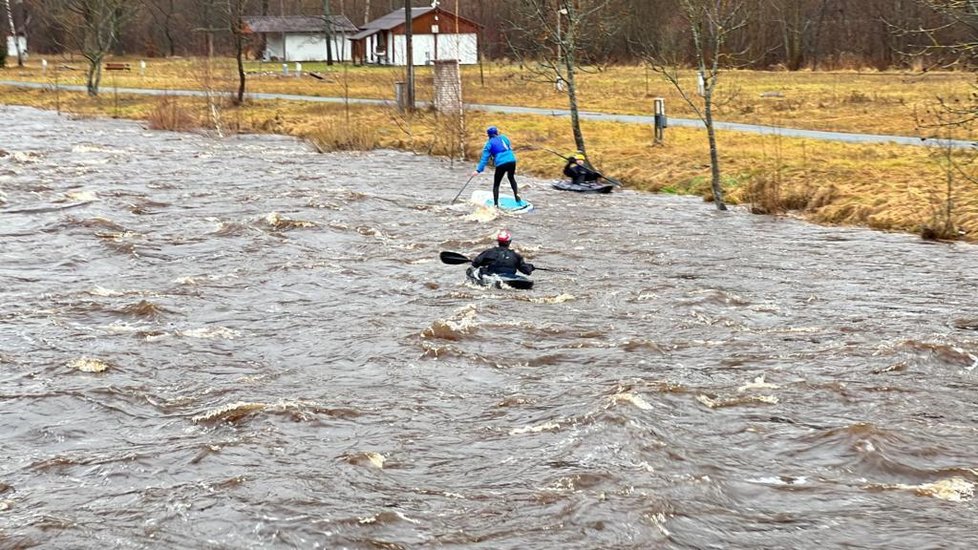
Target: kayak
[506, 203]
[586, 187]
[476, 276]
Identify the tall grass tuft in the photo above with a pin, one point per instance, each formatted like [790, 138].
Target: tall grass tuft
[169, 114]
[335, 135]
[764, 194]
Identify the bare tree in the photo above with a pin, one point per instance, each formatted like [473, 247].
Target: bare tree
[13, 31]
[328, 32]
[164, 15]
[711, 24]
[562, 30]
[91, 27]
[953, 38]
[236, 12]
[800, 26]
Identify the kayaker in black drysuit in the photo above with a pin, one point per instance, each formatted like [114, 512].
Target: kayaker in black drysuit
[576, 170]
[500, 260]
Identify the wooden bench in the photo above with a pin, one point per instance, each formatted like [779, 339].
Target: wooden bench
[117, 67]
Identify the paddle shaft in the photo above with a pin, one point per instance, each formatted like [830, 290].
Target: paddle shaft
[463, 188]
[456, 258]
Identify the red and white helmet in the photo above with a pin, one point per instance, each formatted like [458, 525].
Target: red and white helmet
[504, 236]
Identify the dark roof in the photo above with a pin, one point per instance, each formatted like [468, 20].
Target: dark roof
[297, 23]
[364, 33]
[394, 19]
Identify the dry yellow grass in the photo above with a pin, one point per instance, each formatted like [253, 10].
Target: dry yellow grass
[881, 186]
[856, 101]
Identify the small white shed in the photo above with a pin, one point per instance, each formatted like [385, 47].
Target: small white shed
[301, 38]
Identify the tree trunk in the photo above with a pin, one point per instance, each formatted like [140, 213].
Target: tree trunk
[235, 9]
[328, 32]
[714, 155]
[94, 75]
[570, 64]
[13, 31]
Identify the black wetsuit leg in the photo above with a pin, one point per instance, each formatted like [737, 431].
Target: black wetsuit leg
[496, 178]
[509, 169]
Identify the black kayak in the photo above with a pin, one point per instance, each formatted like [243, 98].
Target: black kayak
[586, 187]
[497, 281]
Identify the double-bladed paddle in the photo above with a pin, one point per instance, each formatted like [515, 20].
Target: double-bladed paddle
[456, 258]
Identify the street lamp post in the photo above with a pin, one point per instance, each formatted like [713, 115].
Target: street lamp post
[560, 81]
[561, 11]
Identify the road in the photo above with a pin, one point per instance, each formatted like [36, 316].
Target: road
[586, 115]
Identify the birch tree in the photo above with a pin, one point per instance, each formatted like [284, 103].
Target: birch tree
[13, 31]
[710, 25]
[553, 36]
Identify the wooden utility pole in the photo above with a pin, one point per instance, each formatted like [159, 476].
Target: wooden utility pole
[328, 30]
[409, 54]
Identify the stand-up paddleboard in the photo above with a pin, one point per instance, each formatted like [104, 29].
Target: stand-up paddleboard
[506, 203]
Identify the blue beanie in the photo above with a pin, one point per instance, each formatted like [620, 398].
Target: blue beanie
[492, 131]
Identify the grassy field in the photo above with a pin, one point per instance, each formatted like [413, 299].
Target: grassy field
[886, 187]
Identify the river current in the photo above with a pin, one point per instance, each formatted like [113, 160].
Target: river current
[241, 343]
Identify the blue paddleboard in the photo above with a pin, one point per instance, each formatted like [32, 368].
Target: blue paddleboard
[506, 203]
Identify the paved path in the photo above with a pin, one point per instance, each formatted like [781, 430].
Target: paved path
[587, 115]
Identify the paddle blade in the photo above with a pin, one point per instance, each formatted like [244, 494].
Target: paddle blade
[453, 258]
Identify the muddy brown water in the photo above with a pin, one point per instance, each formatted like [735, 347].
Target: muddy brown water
[241, 343]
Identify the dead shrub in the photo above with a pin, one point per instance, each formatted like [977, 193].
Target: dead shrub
[169, 114]
[939, 230]
[335, 135]
[857, 98]
[449, 136]
[823, 196]
[764, 194]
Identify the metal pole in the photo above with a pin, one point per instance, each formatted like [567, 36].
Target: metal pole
[659, 109]
[558, 37]
[559, 84]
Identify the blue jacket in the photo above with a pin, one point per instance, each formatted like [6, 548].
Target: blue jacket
[499, 149]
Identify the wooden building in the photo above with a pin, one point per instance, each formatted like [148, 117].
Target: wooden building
[435, 34]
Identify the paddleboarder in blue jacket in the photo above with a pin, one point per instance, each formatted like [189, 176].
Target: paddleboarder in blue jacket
[499, 149]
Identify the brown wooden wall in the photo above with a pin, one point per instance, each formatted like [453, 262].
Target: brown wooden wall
[446, 24]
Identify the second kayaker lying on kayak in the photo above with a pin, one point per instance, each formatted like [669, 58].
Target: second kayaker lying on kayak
[578, 171]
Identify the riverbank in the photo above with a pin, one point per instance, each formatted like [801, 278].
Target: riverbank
[887, 187]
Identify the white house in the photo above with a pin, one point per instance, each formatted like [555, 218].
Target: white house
[301, 38]
[12, 46]
[435, 34]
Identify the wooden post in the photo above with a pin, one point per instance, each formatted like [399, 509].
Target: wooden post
[409, 54]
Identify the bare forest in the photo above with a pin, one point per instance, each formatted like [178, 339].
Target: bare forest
[779, 34]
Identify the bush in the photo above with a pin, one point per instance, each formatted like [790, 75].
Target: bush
[333, 135]
[170, 115]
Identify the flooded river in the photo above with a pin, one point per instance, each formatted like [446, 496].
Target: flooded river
[241, 343]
